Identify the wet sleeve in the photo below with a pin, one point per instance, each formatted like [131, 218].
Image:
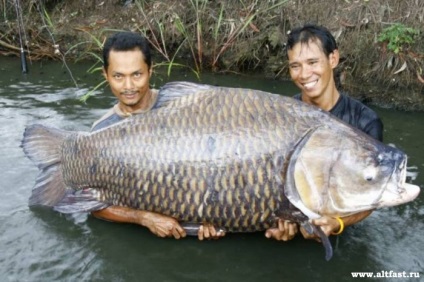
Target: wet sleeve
[375, 129]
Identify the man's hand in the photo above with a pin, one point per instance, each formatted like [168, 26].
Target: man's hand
[327, 225]
[158, 224]
[331, 225]
[207, 231]
[161, 225]
[285, 231]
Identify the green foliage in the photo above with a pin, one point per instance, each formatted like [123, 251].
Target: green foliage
[398, 36]
[205, 34]
[47, 18]
[155, 26]
[223, 40]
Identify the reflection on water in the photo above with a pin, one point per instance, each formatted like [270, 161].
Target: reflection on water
[41, 245]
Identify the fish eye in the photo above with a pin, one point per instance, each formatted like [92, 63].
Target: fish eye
[369, 178]
[370, 173]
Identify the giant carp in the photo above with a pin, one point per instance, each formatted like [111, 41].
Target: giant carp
[239, 159]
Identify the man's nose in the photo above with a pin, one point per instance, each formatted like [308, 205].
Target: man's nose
[128, 83]
[305, 71]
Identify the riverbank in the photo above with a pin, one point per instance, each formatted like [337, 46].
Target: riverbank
[235, 36]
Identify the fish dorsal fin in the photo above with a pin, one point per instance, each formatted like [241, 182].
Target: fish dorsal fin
[177, 89]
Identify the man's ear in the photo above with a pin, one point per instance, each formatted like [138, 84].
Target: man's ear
[334, 58]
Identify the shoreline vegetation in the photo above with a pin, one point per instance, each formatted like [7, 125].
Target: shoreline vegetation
[381, 41]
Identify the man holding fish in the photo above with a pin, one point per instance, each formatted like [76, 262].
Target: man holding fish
[128, 68]
[312, 54]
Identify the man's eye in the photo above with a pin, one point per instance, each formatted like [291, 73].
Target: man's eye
[137, 74]
[117, 76]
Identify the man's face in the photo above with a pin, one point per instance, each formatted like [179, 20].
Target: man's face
[311, 70]
[128, 76]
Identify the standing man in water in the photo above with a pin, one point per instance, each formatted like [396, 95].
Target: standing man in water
[128, 68]
[313, 55]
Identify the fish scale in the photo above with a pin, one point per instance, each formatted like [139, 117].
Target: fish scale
[245, 176]
[168, 199]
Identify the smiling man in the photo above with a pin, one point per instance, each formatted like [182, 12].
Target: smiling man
[313, 55]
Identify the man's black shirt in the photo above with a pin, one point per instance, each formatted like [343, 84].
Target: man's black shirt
[357, 115]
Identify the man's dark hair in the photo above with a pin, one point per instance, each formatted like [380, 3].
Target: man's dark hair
[311, 32]
[126, 41]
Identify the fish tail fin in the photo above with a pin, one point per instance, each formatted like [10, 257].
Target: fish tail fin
[42, 145]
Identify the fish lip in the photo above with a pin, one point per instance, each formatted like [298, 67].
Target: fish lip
[404, 192]
[414, 190]
[403, 186]
[403, 166]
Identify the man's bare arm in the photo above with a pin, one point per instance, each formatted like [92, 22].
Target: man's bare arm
[330, 225]
[287, 230]
[158, 224]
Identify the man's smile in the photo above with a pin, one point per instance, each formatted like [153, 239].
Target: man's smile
[310, 85]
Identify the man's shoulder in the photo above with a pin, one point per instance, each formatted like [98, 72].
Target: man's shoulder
[107, 119]
[360, 116]
[357, 107]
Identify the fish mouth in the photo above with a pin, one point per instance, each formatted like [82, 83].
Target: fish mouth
[323, 186]
[398, 191]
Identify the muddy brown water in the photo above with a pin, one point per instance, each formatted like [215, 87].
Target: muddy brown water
[42, 245]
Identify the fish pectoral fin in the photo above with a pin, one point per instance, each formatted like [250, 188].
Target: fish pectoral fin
[312, 229]
[308, 227]
[85, 200]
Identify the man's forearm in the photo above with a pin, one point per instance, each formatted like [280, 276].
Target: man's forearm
[355, 218]
[158, 224]
[331, 225]
[121, 214]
